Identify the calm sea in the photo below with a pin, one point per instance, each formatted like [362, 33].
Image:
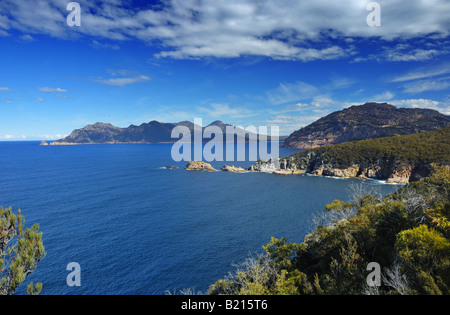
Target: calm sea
[137, 228]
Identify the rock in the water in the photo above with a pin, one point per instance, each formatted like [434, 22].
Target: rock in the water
[199, 166]
[232, 169]
[44, 143]
[288, 172]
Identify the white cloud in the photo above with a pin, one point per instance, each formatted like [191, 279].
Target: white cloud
[441, 69]
[50, 137]
[324, 101]
[52, 90]
[442, 107]
[386, 96]
[432, 78]
[413, 55]
[415, 103]
[291, 92]
[282, 29]
[99, 45]
[290, 108]
[319, 105]
[341, 83]
[220, 110]
[283, 119]
[5, 89]
[414, 51]
[289, 123]
[306, 113]
[427, 85]
[124, 81]
[27, 38]
[164, 114]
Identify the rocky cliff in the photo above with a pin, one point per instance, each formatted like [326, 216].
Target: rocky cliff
[398, 159]
[368, 121]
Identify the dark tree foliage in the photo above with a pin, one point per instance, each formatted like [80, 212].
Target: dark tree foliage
[406, 233]
[20, 251]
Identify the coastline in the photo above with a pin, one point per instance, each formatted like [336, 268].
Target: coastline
[206, 167]
[138, 142]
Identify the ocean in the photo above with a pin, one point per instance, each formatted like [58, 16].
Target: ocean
[135, 227]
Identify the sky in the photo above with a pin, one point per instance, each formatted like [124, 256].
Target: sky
[282, 63]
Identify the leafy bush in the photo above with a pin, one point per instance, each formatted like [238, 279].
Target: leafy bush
[406, 232]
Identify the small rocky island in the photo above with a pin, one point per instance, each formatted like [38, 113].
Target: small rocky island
[203, 166]
[199, 166]
[233, 169]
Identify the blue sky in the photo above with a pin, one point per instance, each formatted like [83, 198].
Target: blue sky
[284, 63]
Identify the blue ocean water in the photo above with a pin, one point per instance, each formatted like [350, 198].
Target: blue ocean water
[137, 228]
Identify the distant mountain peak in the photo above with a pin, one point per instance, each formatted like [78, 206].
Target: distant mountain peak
[384, 104]
[218, 123]
[186, 123]
[101, 124]
[366, 121]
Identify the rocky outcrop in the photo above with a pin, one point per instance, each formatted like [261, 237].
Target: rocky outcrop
[337, 172]
[368, 121]
[288, 172]
[44, 143]
[233, 169]
[400, 174]
[272, 165]
[199, 166]
[283, 166]
[399, 159]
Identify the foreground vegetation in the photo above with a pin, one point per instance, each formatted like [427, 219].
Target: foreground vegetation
[20, 251]
[406, 233]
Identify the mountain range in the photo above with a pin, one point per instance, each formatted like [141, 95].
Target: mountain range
[152, 132]
[361, 122]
